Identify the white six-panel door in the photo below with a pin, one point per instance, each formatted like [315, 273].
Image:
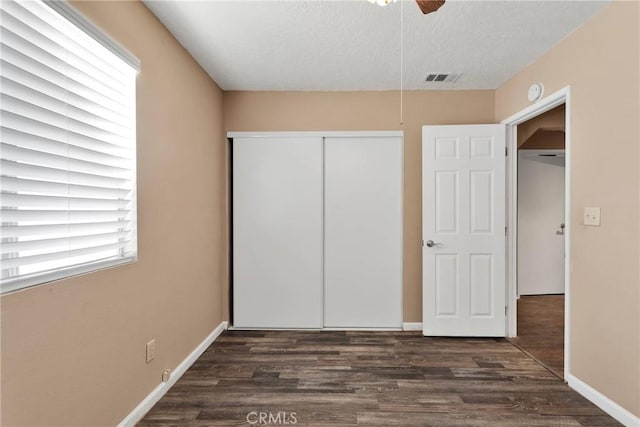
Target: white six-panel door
[463, 230]
[363, 232]
[277, 232]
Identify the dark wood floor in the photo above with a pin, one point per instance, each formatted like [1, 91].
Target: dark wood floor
[369, 379]
[541, 330]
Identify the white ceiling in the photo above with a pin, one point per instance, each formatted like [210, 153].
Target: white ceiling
[355, 45]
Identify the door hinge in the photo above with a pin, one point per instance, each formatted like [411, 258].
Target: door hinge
[423, 243]
[505, 310]
[505, 231]
[506, 151]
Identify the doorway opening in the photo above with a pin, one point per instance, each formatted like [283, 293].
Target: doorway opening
[538, 237]
[540, 245]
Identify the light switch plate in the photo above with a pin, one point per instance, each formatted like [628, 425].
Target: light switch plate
[151, 350]
[592, 216]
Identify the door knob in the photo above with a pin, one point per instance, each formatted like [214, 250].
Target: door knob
[431, 243]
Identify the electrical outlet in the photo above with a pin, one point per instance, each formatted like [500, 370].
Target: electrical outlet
[592, 216]
[151, 350]
[166, 375]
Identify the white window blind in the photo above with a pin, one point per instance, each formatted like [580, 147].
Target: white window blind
[67, 146]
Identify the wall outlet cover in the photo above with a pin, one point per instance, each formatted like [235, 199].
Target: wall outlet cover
[592, 216]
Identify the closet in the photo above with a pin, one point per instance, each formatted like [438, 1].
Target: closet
[317, 230]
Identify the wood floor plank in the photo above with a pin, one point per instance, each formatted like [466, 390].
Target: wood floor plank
[342, 379]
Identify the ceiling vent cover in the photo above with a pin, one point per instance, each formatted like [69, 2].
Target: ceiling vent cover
[442, 77]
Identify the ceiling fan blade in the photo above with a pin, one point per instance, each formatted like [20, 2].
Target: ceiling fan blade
[428, 6]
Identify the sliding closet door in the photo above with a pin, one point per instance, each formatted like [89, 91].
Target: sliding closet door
[363, 232]
[277, 232]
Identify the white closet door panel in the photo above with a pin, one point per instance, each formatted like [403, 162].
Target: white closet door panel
[363, 232]
[278, 232]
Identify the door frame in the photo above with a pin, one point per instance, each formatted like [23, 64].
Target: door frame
[562, 96]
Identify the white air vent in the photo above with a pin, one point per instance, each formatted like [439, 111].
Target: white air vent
[442, 77]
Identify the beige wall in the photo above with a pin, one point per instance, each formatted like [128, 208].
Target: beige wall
[288, 111]
[552, 120]
[544, 140]
[601, 63]
[73, 352]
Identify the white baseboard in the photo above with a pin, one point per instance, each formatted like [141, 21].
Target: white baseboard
[155, 395]
[242, 328]
[603, 402]
[362, 329]
[412, 326]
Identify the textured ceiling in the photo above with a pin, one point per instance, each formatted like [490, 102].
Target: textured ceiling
[356, 45]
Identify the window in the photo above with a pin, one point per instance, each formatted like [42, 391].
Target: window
[67, 146]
